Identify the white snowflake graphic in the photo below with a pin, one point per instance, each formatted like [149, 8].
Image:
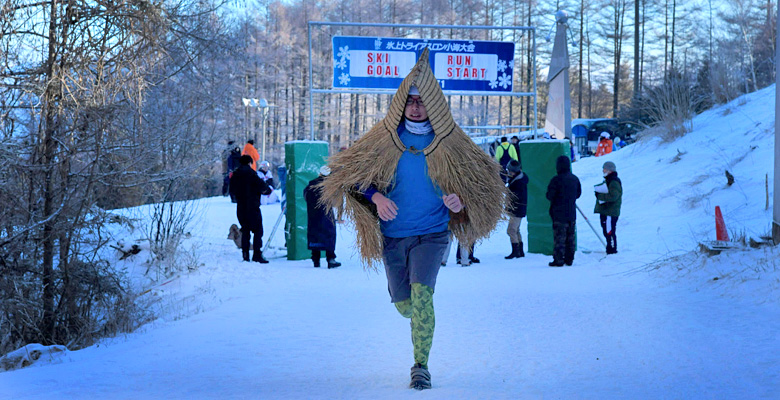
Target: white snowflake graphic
[493, 84]
[343, 53]
[501, 65]
[378, 44]
[512, 64]
[341, 64]
[505, 81]
[344, 79]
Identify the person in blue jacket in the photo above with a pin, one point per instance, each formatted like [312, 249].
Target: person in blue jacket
[404, 186]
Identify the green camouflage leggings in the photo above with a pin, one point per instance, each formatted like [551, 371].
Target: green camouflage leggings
[420, 309]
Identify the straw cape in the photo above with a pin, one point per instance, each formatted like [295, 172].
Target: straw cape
[455, 164]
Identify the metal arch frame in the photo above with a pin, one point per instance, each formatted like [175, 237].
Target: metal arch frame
[312, 90]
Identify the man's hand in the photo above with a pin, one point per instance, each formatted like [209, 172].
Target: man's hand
[452, 201]
[385, 207]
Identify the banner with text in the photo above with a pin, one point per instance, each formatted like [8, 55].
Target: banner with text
[382, 63]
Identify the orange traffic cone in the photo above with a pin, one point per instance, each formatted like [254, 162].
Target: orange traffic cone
[720, 226]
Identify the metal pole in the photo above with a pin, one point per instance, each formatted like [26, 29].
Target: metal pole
[776, 203]
[591, 226]
[388, 25]
[311, 86]
[263, 111]
[446, 92]
[536, 111]
[312, 90]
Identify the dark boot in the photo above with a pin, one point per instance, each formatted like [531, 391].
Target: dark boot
[612, 246]
[245, 254]
[520, 253]
[332, 263]
[316, 262]
[556, 263]
[514, 252]
[258, 257]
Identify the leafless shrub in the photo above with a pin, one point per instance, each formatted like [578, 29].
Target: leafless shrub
[725, 82]
[93, 299]
[671, 107]
[80, 130]
[165, 228]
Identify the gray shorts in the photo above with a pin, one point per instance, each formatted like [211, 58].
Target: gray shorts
[413, 259]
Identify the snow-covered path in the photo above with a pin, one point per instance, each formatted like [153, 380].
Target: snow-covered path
[505, 329]
[606, 328]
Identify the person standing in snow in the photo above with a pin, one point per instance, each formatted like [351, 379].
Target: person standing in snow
[230, 157]
[251, 151]
[321, 226]
[605, 145]
[404, 185]
[247, 188]
[609, 198]
[571, 150]
[516, 143]
[465, 262]
[505, 153]
[563, 191]
[264, 172]
[517, 207]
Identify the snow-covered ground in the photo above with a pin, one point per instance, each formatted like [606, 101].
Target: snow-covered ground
[650, 322]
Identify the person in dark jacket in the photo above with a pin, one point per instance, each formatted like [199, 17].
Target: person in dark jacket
[516, 143]
[230, 157]
[247, 188]
[563, 191]
[609, 198]
[505, 153]
[321, 230]
[516, 207]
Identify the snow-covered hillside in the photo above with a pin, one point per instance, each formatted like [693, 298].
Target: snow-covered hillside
[657, 320]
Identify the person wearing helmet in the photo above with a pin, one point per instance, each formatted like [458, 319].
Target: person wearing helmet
[605, 145]
[264, 172]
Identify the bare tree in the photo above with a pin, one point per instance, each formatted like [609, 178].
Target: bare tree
[74, 81]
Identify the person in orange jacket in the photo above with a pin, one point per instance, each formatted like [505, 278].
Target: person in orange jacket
[605, 145]
[251, 151]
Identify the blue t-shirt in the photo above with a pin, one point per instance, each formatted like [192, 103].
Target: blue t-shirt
[421, 209]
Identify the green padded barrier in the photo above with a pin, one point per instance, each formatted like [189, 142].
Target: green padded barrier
[538, 158]
[303, 160]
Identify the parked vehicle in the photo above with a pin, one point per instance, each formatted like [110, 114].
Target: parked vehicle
[624, 129]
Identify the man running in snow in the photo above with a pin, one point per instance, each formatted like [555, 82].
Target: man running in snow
[404, 186]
